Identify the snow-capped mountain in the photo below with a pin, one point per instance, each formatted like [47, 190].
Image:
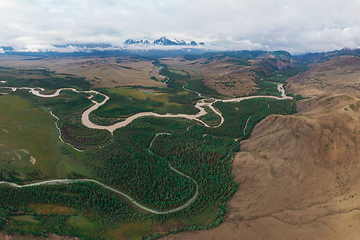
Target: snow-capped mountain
[162, 41]
[131, 41]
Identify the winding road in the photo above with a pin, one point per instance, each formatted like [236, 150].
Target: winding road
[86, 121]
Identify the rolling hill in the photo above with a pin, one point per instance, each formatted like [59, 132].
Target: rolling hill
[299, 175]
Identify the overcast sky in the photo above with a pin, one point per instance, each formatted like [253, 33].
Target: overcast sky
[294, 25]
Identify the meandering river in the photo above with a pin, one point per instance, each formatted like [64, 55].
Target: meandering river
[200, 105]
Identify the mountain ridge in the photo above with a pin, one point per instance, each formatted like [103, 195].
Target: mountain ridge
[315, 58]
[162, 41]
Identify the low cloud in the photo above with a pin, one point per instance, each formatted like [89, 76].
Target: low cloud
[296, 26]
[62, 49]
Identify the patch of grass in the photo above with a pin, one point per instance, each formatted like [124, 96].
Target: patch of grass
[98, 98]
[200, 218]
[29, 131]
[25, 218]
[83, 223]
[130, 230]
[51, 208]
[268, 88]
[211, 118]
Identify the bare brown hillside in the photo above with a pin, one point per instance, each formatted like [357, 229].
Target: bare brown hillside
[221, 74]
[339, 75]
[229, 76]
[99, 71]
[299, 175]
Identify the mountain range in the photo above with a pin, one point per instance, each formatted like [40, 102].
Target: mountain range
[162, 41]
[181, 48]
[325, 56]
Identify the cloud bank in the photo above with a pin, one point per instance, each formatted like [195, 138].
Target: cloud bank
[295, 26]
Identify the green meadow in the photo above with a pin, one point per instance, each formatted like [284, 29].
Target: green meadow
[211, 118]
[27, 131]
[127, 101]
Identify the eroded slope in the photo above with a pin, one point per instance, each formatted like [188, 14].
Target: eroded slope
[339, 75]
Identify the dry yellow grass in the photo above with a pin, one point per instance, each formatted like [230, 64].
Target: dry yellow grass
[222, 74]
[339, 75]
[101, 72]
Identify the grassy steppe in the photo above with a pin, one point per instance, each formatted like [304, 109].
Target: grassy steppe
[27, 131]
